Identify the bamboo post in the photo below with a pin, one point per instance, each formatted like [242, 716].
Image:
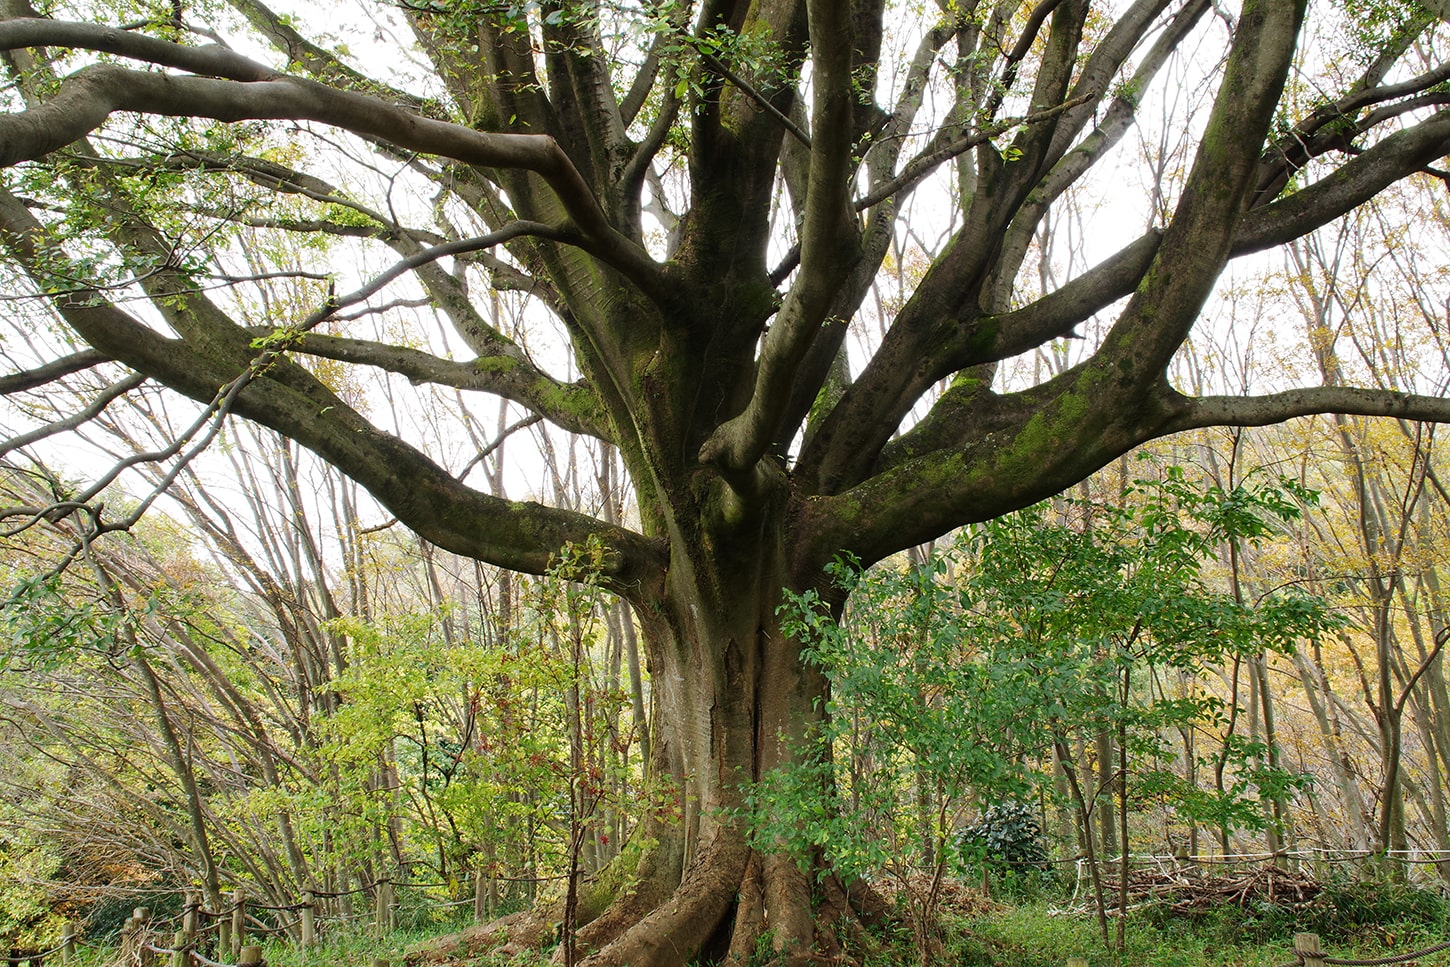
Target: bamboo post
[67, 942]
[309, 922]
[250, 956]
[1306, 945]
[239, 923]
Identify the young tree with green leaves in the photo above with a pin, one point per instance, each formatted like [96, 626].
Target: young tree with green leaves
[975, 672]
[695, 199]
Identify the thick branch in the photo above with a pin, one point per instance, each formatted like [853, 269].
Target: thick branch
[209, 60]
[1278, 407]
[1054, 316]
[1068, 168]
[322, 63]
[828, 244]
[87, 98]
[1198, 240]
[571, 406]
[1348, 186]
[519, 536]
[1113, 51]
[1333, 124]
[50, 372]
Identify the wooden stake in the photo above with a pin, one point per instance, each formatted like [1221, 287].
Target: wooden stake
[239, 923]
[309, 924]
[1306, 945]
[180, 957]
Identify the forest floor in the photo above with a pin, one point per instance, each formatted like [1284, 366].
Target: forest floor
[1224, 920]
[1208, 925]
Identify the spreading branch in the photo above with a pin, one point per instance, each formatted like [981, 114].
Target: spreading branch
[236, 89]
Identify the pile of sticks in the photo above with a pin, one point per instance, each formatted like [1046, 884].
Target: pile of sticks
[1190, 889]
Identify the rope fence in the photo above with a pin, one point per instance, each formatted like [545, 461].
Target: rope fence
[202, 937]
[1308, 953]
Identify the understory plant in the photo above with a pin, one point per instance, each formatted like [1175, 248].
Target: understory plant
[972, 686]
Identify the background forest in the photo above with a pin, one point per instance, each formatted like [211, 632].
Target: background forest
[658, 308]
[1226, 645]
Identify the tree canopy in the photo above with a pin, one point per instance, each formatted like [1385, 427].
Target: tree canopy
[701, 202]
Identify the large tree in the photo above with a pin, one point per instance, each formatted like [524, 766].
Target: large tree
[700, 195]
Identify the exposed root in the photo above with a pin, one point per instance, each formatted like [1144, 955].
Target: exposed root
[870, 906]
[733, 904]
[805, 923]
[749, 924]
[651, 889]
[506, 936]
[617, 897]
[671, 933]
[788, 905]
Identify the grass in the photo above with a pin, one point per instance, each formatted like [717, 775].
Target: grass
[357, 949]
[1353, 920]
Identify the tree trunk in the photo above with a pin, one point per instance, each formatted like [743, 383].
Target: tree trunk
[733, 699]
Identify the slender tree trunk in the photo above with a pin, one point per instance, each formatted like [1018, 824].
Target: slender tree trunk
[1316, 690]
[1085, 825]
[181, 766]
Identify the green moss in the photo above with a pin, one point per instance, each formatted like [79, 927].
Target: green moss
[571, 400]
[1052, 427]
[597, 892]
[496, 364]
[984, 334]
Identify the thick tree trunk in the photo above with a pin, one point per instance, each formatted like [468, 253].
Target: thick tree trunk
[732, 700]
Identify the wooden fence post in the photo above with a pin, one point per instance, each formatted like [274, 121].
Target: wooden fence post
[239, 923]
[1077, 962]
[480, 897]
[67, 942]
[145, 956]
[128, 940]
[180, 955]
[1306, 945]
[385, 907]
[190, 914]
[309, 921]
[182, 940]
[223, 934]
[250, 957]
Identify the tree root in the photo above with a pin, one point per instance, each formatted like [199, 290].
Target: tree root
[674, 931]
[504, 937]
[733, 902]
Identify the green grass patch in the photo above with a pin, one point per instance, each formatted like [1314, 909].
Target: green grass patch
[1358, 920]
